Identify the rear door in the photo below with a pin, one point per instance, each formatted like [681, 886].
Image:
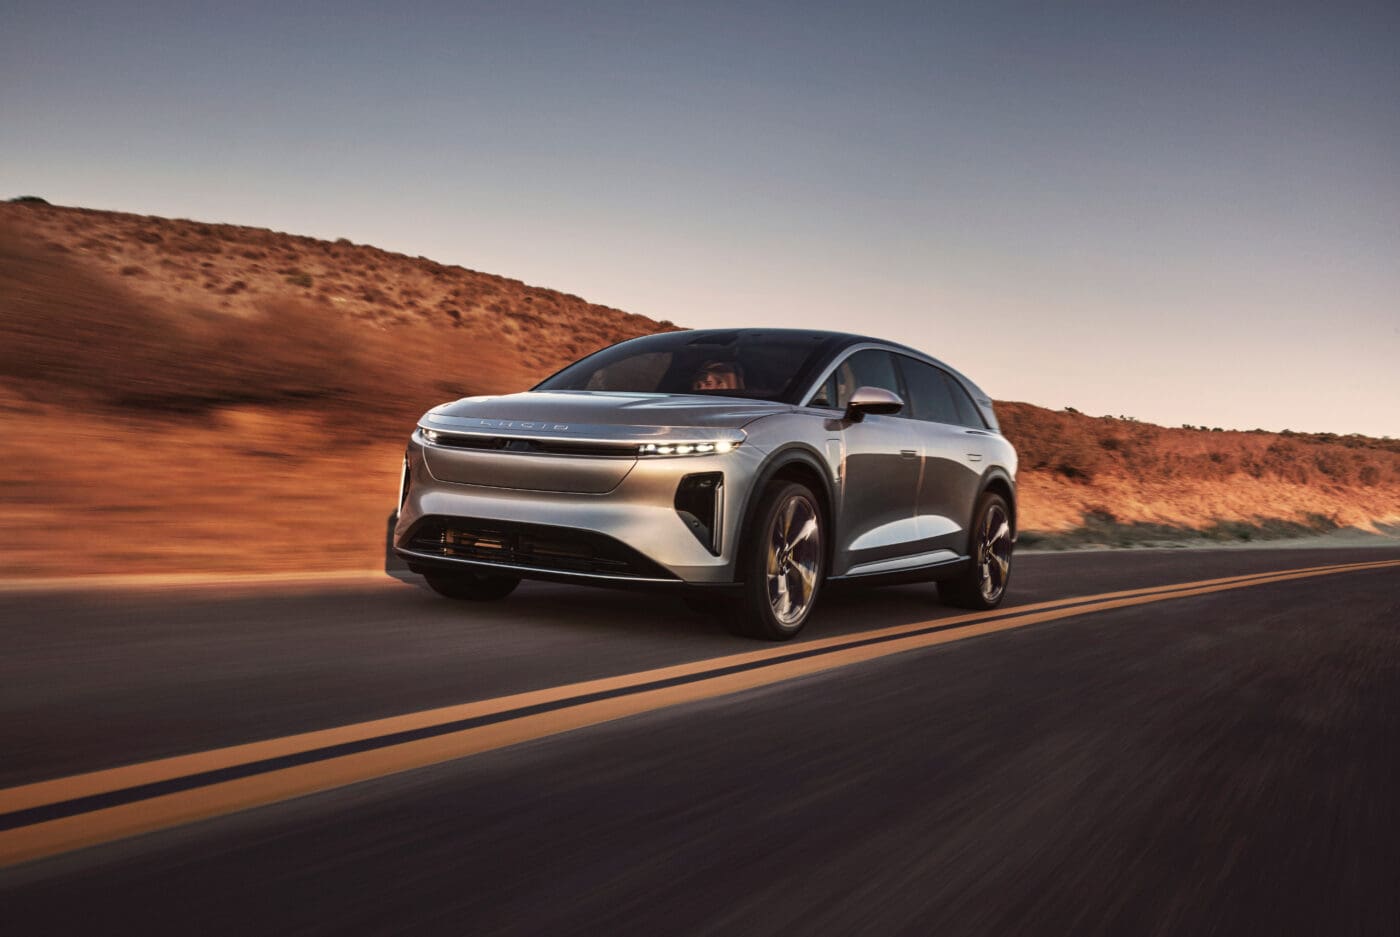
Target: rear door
[952, 455]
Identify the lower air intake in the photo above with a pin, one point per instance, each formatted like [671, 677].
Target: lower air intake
[531, 546]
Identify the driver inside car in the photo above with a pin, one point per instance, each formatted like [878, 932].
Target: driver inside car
[718, 375]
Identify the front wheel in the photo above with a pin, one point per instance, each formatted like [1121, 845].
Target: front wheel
[983, 585]
[471, 585]
[783, 565]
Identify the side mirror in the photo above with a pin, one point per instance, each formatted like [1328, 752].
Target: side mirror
[872, 400]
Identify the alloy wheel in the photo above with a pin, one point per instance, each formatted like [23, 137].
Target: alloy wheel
[993, 553]
[794, 559]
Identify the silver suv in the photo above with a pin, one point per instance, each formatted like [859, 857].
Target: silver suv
[743, 469]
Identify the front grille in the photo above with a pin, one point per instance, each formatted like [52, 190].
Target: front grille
[535, 446]
[533, 546]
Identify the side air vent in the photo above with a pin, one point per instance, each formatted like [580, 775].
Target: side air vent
[700, 503]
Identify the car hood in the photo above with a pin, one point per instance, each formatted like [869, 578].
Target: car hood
[567, 414]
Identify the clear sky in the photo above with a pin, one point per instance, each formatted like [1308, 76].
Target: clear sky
[1183, 212]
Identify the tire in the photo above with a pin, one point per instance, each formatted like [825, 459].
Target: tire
[471, 586]
[782, 565]
[983, 585]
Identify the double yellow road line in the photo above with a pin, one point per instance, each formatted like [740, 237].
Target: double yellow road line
[51, 817]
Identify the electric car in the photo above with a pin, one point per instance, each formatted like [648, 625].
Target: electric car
[743, 469]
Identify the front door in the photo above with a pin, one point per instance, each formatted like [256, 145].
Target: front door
[883, 459]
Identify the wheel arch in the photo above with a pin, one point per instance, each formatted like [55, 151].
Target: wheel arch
[799, 463]
[998, 481]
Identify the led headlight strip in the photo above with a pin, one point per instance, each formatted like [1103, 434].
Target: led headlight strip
[685, 448]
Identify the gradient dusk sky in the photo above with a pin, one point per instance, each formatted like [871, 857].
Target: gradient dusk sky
[1183, 212]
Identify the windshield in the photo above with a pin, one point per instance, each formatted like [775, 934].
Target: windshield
[763, 365]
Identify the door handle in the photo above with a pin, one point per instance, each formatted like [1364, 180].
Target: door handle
[908, 453]
[974, 457]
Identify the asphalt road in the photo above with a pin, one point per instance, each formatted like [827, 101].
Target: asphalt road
[1222, 763]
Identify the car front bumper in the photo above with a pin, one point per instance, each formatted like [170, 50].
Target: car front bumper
[632, 534]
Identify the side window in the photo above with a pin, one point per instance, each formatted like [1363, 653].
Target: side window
[869, 368]
[931, 395]
[968, 414]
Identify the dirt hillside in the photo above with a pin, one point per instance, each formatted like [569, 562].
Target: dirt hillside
[1117, 482]
[183, 396]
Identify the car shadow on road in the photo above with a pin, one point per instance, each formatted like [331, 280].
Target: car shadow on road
[545, 607]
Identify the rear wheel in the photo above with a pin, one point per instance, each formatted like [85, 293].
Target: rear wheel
[783, 565]
[471, 585]
[983, 585]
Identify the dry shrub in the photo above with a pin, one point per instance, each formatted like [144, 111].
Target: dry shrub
[1054, 442]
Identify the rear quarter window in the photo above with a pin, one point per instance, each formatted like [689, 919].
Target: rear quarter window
[968, 412]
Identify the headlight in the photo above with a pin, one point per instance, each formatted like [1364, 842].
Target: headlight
[429, 435]
[709, 447]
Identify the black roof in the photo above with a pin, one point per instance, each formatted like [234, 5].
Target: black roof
[838, 340]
